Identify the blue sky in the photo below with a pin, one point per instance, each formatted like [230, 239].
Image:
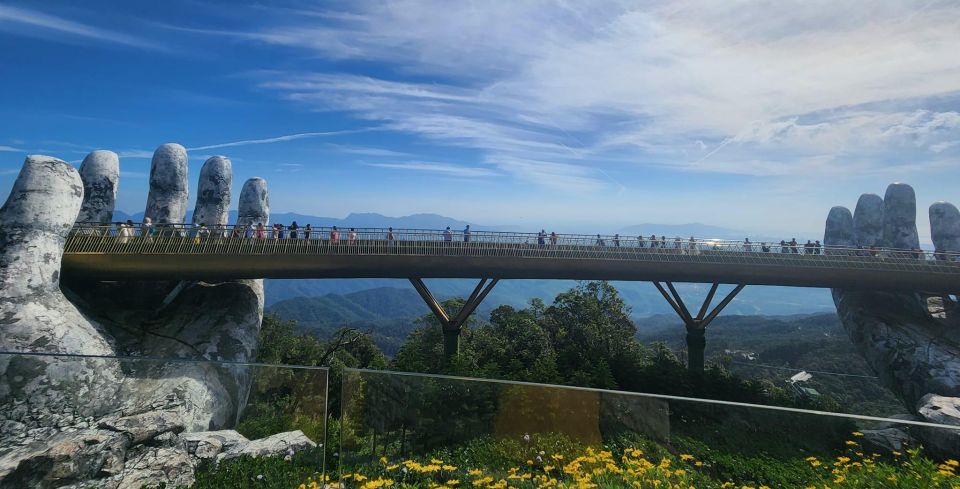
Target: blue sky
[594, 115]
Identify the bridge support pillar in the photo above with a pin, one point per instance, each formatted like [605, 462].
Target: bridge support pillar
[696, 325]
[453, 325]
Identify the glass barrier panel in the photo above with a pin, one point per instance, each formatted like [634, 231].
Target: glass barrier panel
[132, 422]
[423, 430]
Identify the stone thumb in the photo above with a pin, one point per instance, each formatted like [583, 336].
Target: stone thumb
[34, 223]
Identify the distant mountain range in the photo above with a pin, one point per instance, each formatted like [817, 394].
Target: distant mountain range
[357, 220]
[642, 297]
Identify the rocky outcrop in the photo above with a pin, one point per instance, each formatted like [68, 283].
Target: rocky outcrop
[911, 340]
[285, 444]
[67, 420]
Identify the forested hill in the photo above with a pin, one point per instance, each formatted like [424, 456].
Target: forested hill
[388, 314]
[750, 345]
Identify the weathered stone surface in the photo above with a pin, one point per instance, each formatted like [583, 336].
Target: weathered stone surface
[167, 201]
[34, 223]
[100, 172]
[839, 228]
[63, 459]
[70, 421]
[945, 226]
[207, 444]
[887, 440]
[868, 221]
[278, 444]
[145, 426]
[254, 203]
[941, 410]
[213, 192]
[911, 340]
[151, 466]
[900, 217]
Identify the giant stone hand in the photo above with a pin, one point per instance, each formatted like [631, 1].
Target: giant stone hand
[69, 419]
[911, 340]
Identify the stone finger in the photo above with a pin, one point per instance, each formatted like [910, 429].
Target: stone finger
[945, 226]
[100, 172]
[838, 230]
[254, 207]
[900, 217]
[868, 221]
[34, 223]
[213, 192]
[167, 201]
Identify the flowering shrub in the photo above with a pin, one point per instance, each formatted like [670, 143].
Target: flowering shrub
[635, 468]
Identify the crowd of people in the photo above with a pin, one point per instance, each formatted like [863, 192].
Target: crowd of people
[199, 232]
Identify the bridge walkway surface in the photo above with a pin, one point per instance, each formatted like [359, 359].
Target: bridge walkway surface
[173, 253]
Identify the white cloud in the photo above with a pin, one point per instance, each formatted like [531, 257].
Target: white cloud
[547, 91]
[31, 19]
[10, 149]
[440, 168]
[279, 139]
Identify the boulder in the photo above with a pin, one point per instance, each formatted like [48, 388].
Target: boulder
[945, 411]
[208, 444]
[145, 426]
[279, 444]
[887, 440]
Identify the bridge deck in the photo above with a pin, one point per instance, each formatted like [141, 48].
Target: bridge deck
[96, 254]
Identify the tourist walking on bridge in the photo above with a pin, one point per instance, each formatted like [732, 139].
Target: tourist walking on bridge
[306, 231]
[448, 234]
[334, 235]
[542, 237]
[146, 229]
[390, 234]
[553, 238]
[466, 234]
[600, 241]
[261, 231]
[747, 245]
[294, 234]
[352, 236]
[616, 240]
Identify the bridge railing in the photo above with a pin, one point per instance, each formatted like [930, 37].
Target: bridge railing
[187, 239]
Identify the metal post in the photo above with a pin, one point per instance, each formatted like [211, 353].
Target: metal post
[696, 326]
[451, 327]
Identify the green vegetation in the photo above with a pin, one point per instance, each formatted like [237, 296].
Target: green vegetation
[585, 337]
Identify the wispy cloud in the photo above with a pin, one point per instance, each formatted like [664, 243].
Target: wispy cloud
[135, 153]
[549, 91]
[280, 139]
[17, 16]
[440, 168]
[11, 149]
[368, 151]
